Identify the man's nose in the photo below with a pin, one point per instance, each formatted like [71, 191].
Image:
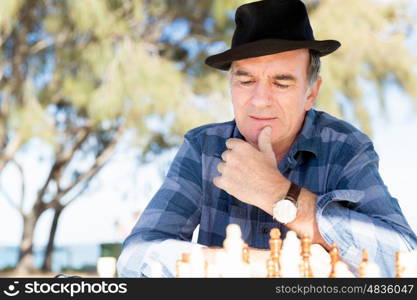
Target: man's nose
[262, 95]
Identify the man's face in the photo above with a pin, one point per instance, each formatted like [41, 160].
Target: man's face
[273, 91]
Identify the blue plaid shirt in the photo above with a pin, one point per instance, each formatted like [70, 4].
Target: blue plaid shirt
[329, 157]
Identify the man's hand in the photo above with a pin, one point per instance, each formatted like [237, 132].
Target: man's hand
[251, 175]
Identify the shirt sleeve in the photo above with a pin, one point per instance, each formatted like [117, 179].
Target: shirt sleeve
[165, 228]
[361, 214]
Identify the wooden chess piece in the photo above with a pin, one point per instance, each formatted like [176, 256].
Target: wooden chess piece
[305, 254]
[270, 267]
[183, 266]
[362, 265]
[334, 258]
[245, 253]
[275, 244]
[398, 267]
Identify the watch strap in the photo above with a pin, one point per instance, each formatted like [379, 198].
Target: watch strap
[293, 192]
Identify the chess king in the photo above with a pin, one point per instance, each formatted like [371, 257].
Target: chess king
[278, 163]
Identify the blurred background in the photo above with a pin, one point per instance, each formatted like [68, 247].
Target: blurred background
[96, 95]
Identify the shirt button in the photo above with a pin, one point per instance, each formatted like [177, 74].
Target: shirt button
[265, 230]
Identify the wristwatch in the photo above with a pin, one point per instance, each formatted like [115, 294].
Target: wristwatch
[285, 210]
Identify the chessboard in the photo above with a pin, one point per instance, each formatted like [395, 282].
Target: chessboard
[290, 257]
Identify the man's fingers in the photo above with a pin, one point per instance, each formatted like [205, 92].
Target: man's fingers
[232, 142]
[225, 155]
[217, 181]
[265, 143]
[220, 167]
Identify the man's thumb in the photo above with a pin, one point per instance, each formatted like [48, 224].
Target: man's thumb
[264, 141]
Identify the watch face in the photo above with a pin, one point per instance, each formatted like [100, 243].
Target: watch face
[284, 211]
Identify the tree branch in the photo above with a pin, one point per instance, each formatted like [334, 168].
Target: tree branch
[83, 189]
[63, 161]
[23, 184]
[9, 199]
[10, 151]
[101, 160]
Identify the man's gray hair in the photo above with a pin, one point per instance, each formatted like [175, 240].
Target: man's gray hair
[313, 70]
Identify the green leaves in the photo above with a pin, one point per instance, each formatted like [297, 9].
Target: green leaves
[373, 49]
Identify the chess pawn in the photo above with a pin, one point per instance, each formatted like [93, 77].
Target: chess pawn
[245, 253]
[197, 262]
[319, 261]
[183, 266]
[305, 254]
[341, 270]
[270, 267]
[367, 268]
[290, 257]
[334, 258]
[232, 257]
[230, 267]
[213, 271]
[233, 243]
[275, 244]
[398, 267]
[406, 263]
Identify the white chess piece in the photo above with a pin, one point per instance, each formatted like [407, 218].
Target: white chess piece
[342, 270]
[231, 259]
[371, 270]
[290, 258]
[408, 262]
[197, 262]
[320, 261]
[233, 243]
[184, 270]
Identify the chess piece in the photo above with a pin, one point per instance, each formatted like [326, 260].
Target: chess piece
[233, 243]
[305, 254]
[363, 263]
[245, 253]
[270, 267]
[319, 261]
[183, 266]
[406, 263]
[290, 257]
[197, 262]
[398, 267]
[368, 268]
[275, 244]
[334, 258]
[341, 270]
[232, 263]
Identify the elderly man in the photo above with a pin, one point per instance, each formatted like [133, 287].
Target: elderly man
[279, 163]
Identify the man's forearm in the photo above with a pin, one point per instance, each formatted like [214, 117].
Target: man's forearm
[305, 222]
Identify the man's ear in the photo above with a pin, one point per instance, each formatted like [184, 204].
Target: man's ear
[312, 93]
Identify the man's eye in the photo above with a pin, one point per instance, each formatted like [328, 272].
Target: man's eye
[246, 82]
[281, 86]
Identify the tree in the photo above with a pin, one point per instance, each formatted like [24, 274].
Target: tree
[78, 75]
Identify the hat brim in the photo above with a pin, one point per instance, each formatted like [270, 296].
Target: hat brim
[224, 60]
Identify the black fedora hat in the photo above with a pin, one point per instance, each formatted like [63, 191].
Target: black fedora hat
[268, 27]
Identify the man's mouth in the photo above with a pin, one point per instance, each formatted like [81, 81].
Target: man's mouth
[262, 118]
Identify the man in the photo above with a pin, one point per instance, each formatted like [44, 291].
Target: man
[279, 163]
